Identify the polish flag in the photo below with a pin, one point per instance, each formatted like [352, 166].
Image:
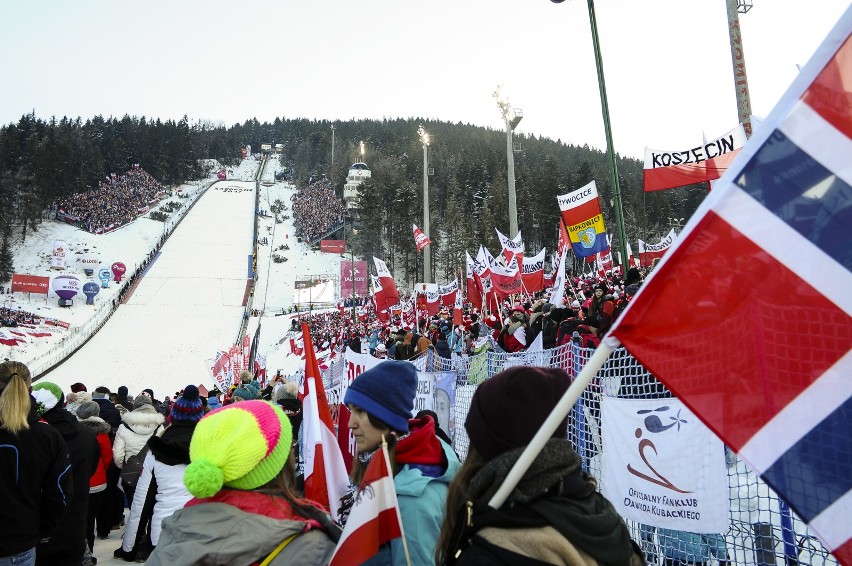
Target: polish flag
[375, 518]
[474, 287]
[458, 308]
[533, 272]
[326, 480]
[649, 252]
[685, 166]
[388, 284]
[558, 282]
[449, 292]
[512, 247]
[421, 239]
[770, 242]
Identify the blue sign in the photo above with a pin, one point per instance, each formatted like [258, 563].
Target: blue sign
[90, 290]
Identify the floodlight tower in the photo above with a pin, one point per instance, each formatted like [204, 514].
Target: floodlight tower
[512, 117]
[427, 251]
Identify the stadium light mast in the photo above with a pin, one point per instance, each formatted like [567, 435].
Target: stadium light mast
[427, 251]
[610, 149]
[512, 117]
[736, 7]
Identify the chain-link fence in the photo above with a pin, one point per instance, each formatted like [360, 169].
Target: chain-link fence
[762, 531]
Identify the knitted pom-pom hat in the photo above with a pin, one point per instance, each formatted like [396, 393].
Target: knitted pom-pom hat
[242, 446]
[387, 392]
[188, 407]
[47, 395]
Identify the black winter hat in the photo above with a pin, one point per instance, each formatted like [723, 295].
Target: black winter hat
[507, 410]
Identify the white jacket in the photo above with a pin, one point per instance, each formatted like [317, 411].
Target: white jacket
[171, 496]
[136, 428]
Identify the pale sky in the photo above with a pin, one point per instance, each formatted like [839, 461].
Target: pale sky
[667, 63]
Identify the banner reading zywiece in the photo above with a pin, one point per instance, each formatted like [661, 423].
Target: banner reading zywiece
[581, 213]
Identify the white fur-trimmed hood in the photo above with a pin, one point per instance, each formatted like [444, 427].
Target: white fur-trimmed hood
[143, 420]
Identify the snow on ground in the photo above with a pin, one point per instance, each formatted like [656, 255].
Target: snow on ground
[188, 305]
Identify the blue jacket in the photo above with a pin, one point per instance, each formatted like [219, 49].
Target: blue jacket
[422, 500]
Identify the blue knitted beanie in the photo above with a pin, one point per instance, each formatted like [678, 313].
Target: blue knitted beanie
[387, 392]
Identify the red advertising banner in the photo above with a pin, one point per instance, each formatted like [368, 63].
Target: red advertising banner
[30, 284]
[361, 277]
[333, 246]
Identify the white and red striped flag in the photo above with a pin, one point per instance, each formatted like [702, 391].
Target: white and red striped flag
[448, 293]
[326, 480]
[388, 284]
[375, 517]
[421, 239]
[764, 262]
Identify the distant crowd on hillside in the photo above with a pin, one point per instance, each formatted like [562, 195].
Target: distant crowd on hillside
[316, 210]
[118, 200]
[9, 317]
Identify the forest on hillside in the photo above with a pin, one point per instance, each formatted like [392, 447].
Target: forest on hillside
[44, 160]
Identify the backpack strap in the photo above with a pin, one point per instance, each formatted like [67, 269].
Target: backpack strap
[268, 560]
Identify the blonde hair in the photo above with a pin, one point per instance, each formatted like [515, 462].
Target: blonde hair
[15, 397]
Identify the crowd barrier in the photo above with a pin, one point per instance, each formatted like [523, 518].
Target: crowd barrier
[762, 529]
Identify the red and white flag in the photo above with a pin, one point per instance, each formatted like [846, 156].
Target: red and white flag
[474, 286]
[533, 272]
[512, 247]
[326, 480]
[374, 519]
[448, 293]
[421, 239]
[378, 294]
[704, 162]
[428, 298]
[649, 252]
[507, 280]
[558, 291]
[388, 284]
[763, 263]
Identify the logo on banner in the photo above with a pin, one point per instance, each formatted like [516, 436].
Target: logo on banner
[663, 467]
[587, 237]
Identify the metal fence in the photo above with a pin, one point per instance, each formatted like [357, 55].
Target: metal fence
[763, 530]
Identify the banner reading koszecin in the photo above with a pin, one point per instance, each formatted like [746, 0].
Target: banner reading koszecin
[581, 213]
[705, 162]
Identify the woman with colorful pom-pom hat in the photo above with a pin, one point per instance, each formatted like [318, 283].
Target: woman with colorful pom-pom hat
[244, 509]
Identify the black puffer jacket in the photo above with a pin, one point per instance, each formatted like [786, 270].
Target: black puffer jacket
[83, 448]
[35, 484]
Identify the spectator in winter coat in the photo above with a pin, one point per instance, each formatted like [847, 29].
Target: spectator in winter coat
[381, 401]
[242, 477]
[442, 347]
[405, 349]
[423, 344]
[66, 545]
[36, 481]
[160, 490]
[555, 514]
[97, 488]
[108, 411]
[513, 337]
[136, 428]
[123, 399]
[74, 400]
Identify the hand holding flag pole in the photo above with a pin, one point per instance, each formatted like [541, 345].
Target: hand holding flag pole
[598, 359]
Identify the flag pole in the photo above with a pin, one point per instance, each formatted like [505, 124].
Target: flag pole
[598, 359]
[389, 471]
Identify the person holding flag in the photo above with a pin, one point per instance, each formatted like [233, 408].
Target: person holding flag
[381, 402]
[555, 515]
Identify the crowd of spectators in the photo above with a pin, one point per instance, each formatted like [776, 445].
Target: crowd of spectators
[9, 317]
[316, 210]
[118, 200]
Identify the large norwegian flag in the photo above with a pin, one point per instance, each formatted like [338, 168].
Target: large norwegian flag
[326, 480]
[704, 162]
[375, 517]
[421, 239]
[765, 267]
[388, 284]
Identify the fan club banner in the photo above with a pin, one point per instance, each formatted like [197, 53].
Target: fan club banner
[512, 247]
[705, 162]
[663, 466]
[30, 284]
[649, 252]
[448, 293]
[581, 213]
[428, 298]
[358, 271]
